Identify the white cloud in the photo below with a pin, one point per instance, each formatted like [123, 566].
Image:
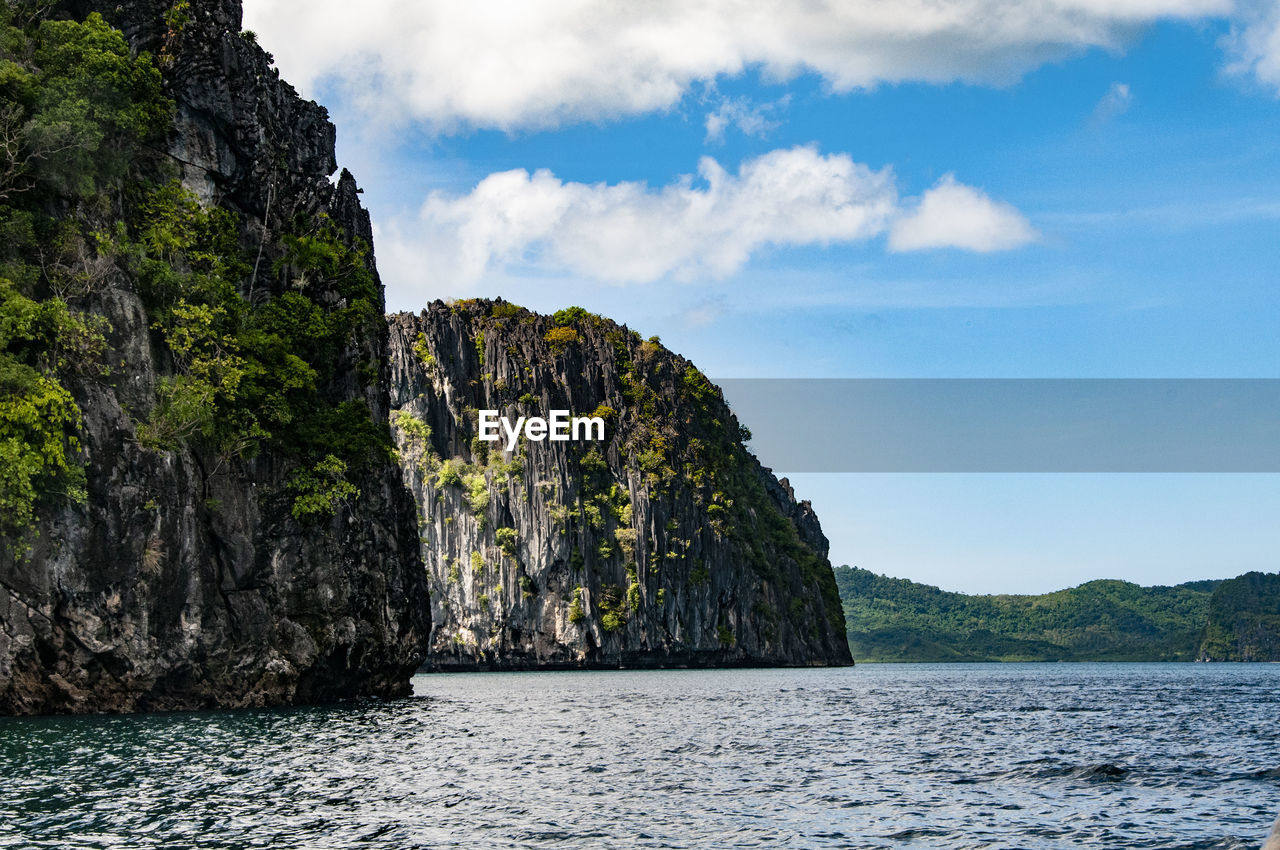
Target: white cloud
[629, 233]
[512, 63]
[704, 229]
[749, 118]
[1255, 43]
[703, 312]
[952, 215]
[1115, 102]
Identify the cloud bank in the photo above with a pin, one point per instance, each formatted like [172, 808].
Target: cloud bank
[513, 64]
[1255, 44]
[703, 228]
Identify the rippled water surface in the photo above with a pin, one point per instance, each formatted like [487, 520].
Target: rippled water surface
[1053, 755]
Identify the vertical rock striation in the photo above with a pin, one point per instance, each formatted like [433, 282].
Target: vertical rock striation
[183, 582]
[665, 544]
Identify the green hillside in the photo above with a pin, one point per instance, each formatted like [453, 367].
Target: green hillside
[1244, 620]
[899, 620]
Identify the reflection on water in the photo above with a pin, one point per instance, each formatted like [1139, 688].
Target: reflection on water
[1053, 755]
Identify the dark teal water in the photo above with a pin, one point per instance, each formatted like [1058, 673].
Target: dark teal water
[1009, 756]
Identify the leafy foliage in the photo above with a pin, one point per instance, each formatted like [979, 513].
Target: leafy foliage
[506, 538]
[561, 337]
[568, 316]
[577, 613]
[422, 349]
[505, 310]
[321, 488]
[76, 109]
[37, 443]
[613, 609]
[78, 104]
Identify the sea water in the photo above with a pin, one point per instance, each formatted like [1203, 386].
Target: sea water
[1005, 756]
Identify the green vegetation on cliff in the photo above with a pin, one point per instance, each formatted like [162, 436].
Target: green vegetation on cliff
[899, 620]
[88, 204]
[253, 371]
[76, 113]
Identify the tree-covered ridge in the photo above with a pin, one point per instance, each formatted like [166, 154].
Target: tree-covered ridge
[1244, 620]
[248, 349]
[899, 620]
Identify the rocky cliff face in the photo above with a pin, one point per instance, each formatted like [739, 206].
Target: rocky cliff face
[184, 581]
[664, 544]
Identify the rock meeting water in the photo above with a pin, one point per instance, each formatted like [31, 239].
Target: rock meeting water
[1004, 756]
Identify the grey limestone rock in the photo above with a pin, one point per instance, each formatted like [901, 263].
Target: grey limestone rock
[179, 584]
[667, 544]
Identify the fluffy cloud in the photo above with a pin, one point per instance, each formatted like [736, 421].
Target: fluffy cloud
[1255, 44]
[629, 233]
[952, 215]
[704, 228]
[512, 63]
[749, 118]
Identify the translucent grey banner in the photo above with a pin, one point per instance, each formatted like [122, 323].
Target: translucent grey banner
[998, 425]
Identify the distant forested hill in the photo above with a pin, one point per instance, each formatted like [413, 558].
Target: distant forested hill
[899, 620]
[1244, 620]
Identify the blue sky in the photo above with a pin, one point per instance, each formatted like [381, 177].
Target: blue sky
[1061, 188]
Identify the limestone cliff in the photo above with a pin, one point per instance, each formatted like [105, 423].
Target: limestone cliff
[665, 544]
[185, 580]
